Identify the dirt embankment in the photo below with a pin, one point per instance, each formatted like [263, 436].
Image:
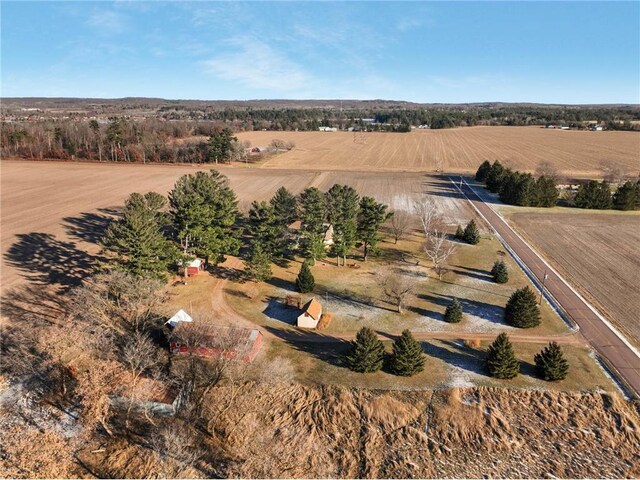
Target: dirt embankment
[315, 432]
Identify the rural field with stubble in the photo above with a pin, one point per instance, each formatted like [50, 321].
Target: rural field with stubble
[458, 150]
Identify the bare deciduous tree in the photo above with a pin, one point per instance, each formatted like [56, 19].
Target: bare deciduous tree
[96, 384]
[118, 301]
[427, 212]
[613, 173]
[439, 248]
[397, 288]
[547, 169]
[400, 224]
[177, 449]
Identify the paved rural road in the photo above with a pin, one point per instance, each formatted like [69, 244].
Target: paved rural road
[594, 328]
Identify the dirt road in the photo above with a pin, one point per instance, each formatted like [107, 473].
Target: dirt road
[595, 328]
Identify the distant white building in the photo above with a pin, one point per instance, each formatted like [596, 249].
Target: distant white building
[327, 129]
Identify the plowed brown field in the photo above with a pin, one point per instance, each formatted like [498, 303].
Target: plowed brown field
[598, 254]
[456, 150]
[53, 213]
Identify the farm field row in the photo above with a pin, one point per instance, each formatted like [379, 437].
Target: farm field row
[597, 253]
[460, 150]
[51, 211]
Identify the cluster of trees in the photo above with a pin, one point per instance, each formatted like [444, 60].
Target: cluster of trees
[501, 361]
[517, 188]
[597, 195]
[121, 140]
[201, 219]
[469, 234]
[367, 354]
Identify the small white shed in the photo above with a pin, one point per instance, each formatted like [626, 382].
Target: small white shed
[311, 313]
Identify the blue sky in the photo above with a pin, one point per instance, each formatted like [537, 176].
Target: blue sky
[569, 52]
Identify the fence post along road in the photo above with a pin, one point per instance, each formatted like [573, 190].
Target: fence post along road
[618, 355]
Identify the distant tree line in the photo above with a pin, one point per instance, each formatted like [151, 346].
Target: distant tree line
[517, 188]
[599, 196]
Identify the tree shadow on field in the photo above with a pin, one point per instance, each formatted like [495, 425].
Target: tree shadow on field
[457, 355]
[45, 260]
[90, 226]
[483, 310]
[277, 310]
[476, 273]
[326, 348]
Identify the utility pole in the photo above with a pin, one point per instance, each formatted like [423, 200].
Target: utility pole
[544, 279]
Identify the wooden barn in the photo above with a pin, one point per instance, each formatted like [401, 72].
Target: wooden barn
[214, 341]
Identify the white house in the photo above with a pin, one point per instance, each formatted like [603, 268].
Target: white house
[311, 313]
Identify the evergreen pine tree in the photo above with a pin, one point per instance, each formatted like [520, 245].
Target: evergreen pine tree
[625, 197]
[263, 226]
[483, 171]
[367, 352]
[313, 229]
[501, 362]
[471, 234]
[137, 237]
[204, 210]
[258, 266]
[550, 363]
[370, 218]
[500, 272]
[522, 309]
[407, 358]
[495, 177]
[453, 313]
[547, 193]
[305, 281]
[459, 235]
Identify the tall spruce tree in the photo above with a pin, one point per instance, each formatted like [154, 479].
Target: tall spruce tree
[367, 352]
[305, 281]
[500, 272]
[453, 312]
[483, 171]
[312, 216]
[471, 234]
[625, 197]
[285, 207]
[407, 358]
[220, 145]
[371, 216]
[137, 238]
[546, 192]
[495, 177]
[257, 266]
[342, 209]
[263, 226]
[459, 235]
[551, 364]
[501, 361]
[594, 195]
[522, 309]
[204, 211]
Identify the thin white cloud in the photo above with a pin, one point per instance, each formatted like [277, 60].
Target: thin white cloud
[257, 65]
[107, 21]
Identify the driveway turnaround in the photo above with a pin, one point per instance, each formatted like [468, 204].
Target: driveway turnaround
[619, 355]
